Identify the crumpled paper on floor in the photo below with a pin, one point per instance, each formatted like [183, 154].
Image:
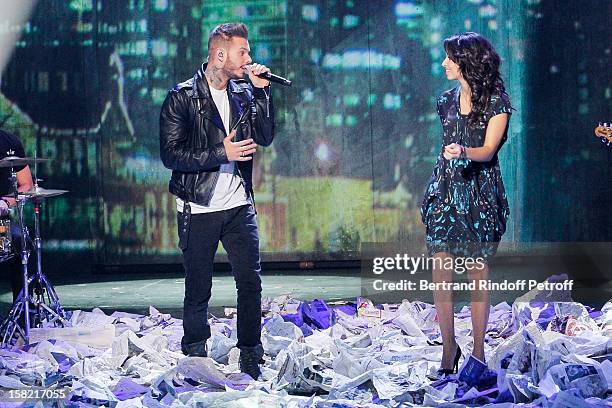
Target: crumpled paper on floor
[539, 353]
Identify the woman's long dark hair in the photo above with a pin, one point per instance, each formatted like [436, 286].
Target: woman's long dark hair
[479, 64]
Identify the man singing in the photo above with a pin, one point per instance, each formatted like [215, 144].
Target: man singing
[210, 125]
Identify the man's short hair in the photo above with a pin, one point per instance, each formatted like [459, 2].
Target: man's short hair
[225, 32]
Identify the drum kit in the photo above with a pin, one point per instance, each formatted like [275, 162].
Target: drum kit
[37, 305]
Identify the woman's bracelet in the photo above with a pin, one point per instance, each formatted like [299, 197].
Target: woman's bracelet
[463, 154]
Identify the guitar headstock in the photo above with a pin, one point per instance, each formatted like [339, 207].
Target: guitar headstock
[604, 131]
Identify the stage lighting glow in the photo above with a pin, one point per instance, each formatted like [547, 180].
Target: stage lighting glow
[315, 55]
[81, 5]
[361, 59]
[307, 95]
[15, 13]
[350, 21]
[351, 100]
[159, 48]
[487, 11]
[160, 5]
[323, 152]
[351, 120]
[335, 119]
[310, 13]
[406, 10]
[263, 54]
[392, 101]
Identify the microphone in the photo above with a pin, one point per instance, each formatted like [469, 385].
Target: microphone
[275, 78]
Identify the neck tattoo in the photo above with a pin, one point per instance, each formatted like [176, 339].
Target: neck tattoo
[214, 77]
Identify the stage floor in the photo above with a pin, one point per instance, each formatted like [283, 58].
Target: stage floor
[135, 292]
[166, 292]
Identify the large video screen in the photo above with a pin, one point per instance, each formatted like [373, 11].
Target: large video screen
[357, 134]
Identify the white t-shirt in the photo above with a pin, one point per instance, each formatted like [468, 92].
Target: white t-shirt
[229, 191]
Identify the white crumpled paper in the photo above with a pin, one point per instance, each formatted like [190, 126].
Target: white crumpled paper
[369, 359]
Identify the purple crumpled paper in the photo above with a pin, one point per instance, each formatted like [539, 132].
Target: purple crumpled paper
[127, 389]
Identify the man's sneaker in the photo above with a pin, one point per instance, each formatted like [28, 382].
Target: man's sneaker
[194, 349]
[250, 358]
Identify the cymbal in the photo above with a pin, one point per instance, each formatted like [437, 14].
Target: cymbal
[13, 161]
[40, 192]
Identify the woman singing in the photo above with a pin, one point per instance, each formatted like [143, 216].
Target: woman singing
[465, 207]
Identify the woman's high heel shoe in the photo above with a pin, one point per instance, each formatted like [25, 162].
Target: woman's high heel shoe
[443, 371]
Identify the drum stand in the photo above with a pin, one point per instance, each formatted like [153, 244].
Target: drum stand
[41, 308]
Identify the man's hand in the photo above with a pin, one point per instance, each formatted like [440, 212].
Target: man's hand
[255, 70]
[238, 151]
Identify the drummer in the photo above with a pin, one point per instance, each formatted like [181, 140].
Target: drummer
[11, 146]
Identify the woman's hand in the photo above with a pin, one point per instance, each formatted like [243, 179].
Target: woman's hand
[453, 151]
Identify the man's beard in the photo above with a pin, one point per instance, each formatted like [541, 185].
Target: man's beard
[233, 73]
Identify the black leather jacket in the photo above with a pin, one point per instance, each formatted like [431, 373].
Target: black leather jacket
[191, 134]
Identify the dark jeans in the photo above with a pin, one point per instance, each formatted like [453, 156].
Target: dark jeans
[199, 236]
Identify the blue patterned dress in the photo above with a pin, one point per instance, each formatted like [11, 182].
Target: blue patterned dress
[465, 206]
